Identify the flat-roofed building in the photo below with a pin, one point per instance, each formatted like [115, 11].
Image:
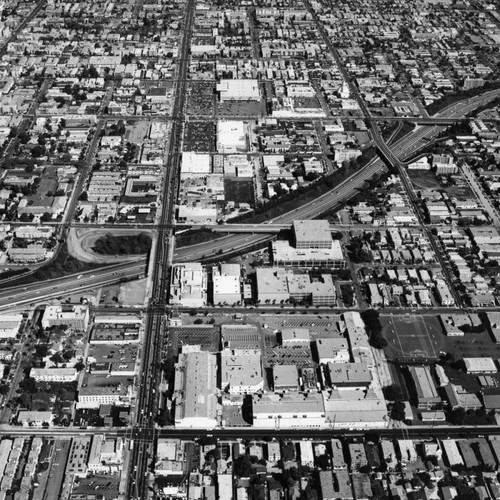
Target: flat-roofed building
[29, 255]
[389, 454]
[196, 390]
[295, 337]
[241, 371]
[285, 378]
[467, 452]
[333, 350]
[231, 136]
[195, 164]
[78, 455]
[494, 324]
[226, 283]
[359, 408]
[357, 454]
[452, 452]
[9, 325]
[240, 337]
[275, 285]
[485, 453]
[343, 485]
[480, 365]
[238, 90]
[284, 254]
[306, 453]
[407, 450]
[427, 396]
[225, 483]
[189, 285]
[458, 397]
[35, 418]
[349, 375]
[328, 490]
[73, 316]
[103, 389]
[312, 234]
[288, 411]
[53, 374]
[338, 459]
[495, 447]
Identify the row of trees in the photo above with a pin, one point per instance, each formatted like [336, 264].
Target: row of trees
[123, 245]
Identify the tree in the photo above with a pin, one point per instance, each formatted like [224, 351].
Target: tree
[164, 418]
[79, 366]
[398, 410]
[57, 358]
[243, 466]
[374, 328]
[393, 392]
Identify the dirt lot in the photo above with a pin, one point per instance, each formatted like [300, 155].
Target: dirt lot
[132, 293]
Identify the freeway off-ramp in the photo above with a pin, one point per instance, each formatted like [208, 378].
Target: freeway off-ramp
[404, 148]
[227, 245]
[51, 289]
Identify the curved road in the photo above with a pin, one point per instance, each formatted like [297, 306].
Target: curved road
[403, 148]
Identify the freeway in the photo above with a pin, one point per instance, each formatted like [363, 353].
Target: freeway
[231, 244]
[51, 289]
[403, 148]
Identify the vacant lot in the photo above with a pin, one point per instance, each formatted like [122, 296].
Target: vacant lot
[423, 179]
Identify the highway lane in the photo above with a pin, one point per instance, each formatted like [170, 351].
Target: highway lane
[403, 148]
[52, 289]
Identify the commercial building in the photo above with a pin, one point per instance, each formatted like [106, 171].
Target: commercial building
[348, 375]
[285, 378]
[226, 282]
[313, 247]
[189, 285]
[78, 455]
[288, 411]
[241, 371]
[275, 285]
[362, 409]
[9, 325]
[480, 365]
[29, 255]
[34, 232]
[295, 337]
[195, 164]
[104, 390]
[106, 455]
[34, 418]
[312, 234]
[196, 389]
[53, 374]
[231, 136]
[426, 393]
[238, 90]
[75, 317]
[306, 454]
[333, 350]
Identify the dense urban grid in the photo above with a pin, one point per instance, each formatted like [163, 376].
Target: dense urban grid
[250, 250]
